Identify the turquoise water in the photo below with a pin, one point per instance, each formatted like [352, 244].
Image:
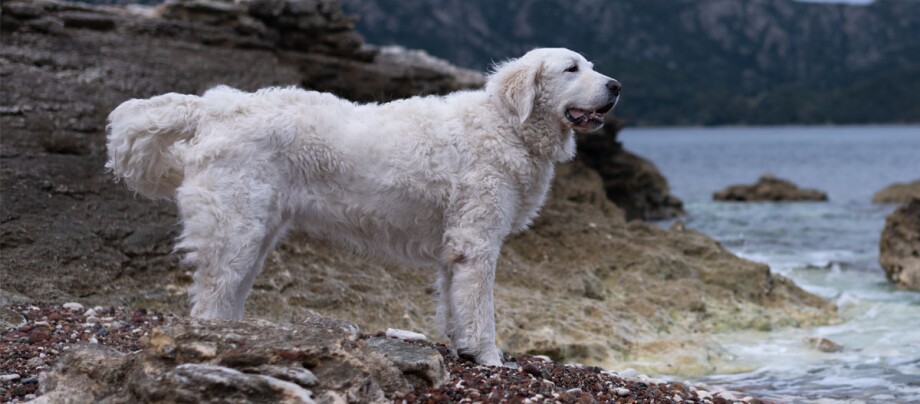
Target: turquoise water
[830, 249]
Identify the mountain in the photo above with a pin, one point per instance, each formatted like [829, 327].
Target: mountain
[691, 62]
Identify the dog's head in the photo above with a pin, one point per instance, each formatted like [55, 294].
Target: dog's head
[558, 82]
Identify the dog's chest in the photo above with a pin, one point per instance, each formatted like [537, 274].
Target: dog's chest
[532, 186]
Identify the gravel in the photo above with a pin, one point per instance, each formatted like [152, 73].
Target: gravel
[50, 330]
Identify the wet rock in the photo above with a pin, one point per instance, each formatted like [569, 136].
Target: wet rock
[899, 248]
[769, 189]
[823, 344]
[249, 361]
[900, 193]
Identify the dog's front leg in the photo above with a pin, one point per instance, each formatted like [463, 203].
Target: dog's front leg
[471, 267]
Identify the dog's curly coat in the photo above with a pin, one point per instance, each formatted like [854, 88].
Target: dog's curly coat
[425, 181]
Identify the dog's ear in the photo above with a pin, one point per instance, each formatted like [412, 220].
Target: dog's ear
[515, 82]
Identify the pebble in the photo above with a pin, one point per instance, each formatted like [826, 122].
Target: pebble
[728, 396]
[406, 335]
[622, 392]
[73, 306]
[9, 377]
[703, 394]
[90, 313]
[629, 372]
[30, 380]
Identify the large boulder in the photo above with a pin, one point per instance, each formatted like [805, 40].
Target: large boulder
[769, 189]
[630, 181]
[898, 193]
[252, 361]
[899, 248]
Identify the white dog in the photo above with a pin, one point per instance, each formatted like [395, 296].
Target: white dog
[425, 181]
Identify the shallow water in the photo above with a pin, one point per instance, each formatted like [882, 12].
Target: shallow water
[830, 249]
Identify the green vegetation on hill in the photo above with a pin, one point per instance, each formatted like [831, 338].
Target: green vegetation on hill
[691, 61]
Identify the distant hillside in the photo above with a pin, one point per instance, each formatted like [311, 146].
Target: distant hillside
[691, 61]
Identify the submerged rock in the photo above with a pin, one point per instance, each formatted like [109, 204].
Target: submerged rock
[899, 248]
[898, 193]
[769, 189]
[249, 361]
[823, 344]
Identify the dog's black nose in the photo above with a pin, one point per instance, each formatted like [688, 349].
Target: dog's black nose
[614, 87]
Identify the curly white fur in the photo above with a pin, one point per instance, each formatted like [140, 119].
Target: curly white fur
[426, 181]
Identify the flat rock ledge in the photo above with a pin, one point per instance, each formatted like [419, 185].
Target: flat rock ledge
[769, 189]
[189, 360]
[899, 248]
[900, 193]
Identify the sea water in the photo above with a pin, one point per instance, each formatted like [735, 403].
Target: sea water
[828, 248]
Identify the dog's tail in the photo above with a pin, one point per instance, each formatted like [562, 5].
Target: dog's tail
[141, 139]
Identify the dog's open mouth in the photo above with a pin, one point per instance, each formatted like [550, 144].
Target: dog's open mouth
[586, 117]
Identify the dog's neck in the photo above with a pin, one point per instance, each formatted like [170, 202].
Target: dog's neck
[546, 138]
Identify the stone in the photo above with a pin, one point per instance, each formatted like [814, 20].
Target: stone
[405, 335]
[421, 366]
[191, 360]
[769, 189]
[823, 344]
[899, 247]
[73, 306]
[622, 392]
[10, 319]
[899, 193]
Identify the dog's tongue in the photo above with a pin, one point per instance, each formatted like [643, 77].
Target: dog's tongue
[577, 113]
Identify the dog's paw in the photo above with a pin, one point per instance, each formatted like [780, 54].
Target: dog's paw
[491, 357]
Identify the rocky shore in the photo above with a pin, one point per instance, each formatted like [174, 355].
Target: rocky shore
[768, 188]
[584, 285]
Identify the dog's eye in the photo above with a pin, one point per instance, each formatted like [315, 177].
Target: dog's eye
[572, 69]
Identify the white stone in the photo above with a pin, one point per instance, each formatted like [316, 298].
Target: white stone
[728, 396]
[405, 335]
[703, 394]
[622, 392]
[73, 306]
[9, 377]
[629, 372]
[543, 358]
[90, 313]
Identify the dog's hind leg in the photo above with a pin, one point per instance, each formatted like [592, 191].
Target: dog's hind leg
[445, 304]
[231, 222]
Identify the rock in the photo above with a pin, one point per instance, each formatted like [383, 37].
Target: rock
[405, 335]
[9, 377]
[421, 366]
[633, 183]
[73, 306]
[227, 361]
[622, 392]
[10, 319]
[771, 189]
[823, 344]
[900, 193]
[899, 248]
